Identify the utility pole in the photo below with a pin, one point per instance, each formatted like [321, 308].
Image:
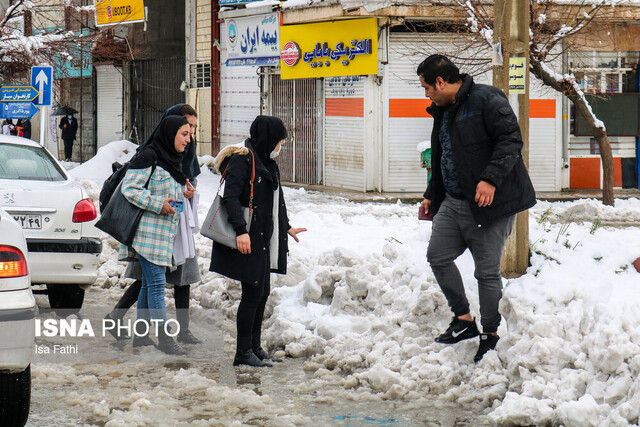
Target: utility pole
[511, 28]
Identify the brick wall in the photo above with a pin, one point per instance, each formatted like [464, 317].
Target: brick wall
[203, 30]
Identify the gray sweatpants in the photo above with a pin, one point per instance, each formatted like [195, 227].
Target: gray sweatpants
[454, 230]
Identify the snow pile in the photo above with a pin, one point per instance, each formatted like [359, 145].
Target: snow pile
[424, 145]
[98, 168]
[570, 344]
[573, 342]
[587, 211]
[361, 302]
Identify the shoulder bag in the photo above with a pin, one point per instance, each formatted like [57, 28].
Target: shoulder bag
[216, 225]
[120, 217]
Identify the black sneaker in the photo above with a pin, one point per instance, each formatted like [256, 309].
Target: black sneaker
[458, 330]
[487, 342]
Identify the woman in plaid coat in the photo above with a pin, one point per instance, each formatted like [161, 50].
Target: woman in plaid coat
[160, 165]
[182, 276]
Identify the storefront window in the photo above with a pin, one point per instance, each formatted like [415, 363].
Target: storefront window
[605, 72]
[580, 60]
[606, 59]
[613, 83]
[629, 59]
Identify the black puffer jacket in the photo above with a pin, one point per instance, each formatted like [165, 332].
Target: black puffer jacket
[487, 145]
[253, 267]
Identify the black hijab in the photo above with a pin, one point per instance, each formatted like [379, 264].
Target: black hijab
[161, 146]
[190, 166]
[265, 133]
[172, 111]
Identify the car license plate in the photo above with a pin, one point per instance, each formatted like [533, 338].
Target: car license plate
[29, 221]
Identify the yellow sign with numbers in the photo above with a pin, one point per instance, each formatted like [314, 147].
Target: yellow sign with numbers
[109, 12]
[517, 75]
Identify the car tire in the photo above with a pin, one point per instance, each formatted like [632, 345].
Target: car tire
[15, 398]
[65, 297]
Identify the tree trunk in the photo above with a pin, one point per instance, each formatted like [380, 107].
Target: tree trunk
[603, 144]
[570, 91]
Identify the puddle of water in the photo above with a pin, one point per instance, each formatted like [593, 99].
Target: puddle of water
[284, 384]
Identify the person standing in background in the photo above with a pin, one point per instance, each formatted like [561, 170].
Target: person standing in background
[69, 126]
[25, 124]
[8, 128]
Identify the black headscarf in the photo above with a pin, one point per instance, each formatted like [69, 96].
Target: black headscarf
[161, 146]
[265, 133]
[190, 166]
[173, 111]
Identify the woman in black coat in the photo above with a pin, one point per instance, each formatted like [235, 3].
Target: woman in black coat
[263, 248]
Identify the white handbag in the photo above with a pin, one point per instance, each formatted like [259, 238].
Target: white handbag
[216, 225]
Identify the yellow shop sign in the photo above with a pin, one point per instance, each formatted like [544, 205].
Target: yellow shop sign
[109, 12]
[328, 49]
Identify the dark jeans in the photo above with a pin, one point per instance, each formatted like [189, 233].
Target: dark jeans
[181, 294]
[251, 308]
[68, 148]
[454, 230]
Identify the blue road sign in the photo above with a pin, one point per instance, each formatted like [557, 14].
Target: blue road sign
[18, 93]
[42, 80]
[18, 110]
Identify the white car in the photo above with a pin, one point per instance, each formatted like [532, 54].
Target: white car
[17, 324]
[57, 218]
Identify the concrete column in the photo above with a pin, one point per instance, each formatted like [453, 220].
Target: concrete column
[512, 28]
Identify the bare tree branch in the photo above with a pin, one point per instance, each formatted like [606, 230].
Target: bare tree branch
[551, 29]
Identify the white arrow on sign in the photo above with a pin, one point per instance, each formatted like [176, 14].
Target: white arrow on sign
[41, 81]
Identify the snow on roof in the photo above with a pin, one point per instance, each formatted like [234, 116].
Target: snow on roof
[262, 3]
[373, 5]
[297, 3]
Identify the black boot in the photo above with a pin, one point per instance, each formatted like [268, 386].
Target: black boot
[117, 334]
[182, 295]
[259, 351]
[245, 356]
[142, 340]
[166, 344]
[186, 337]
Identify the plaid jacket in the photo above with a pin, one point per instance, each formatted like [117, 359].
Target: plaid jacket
[156, 232]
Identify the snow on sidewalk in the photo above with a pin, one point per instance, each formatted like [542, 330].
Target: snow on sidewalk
[361, 302]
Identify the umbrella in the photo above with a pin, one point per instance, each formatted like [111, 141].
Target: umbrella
[63, 111]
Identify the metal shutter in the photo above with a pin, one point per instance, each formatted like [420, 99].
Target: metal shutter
[402, 171]
[344, 136]
[239, 97]
[109, 105]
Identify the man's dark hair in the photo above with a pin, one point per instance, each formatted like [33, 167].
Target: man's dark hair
[438, 66]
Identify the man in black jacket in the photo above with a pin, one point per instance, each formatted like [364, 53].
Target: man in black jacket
[69, 126]
[478, 184]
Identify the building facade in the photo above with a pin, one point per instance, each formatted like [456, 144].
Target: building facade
[361, 131]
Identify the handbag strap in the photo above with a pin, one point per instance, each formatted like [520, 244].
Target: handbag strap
[153, 169]
[253, 178]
